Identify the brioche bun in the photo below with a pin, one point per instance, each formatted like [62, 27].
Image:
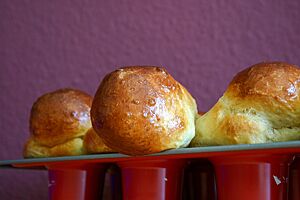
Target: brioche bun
[58, 122]
[142, 110]
[260, 105]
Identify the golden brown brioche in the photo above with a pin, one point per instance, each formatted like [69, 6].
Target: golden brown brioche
[94, 144]
[143, 110]
[261, 104]
[58, 122]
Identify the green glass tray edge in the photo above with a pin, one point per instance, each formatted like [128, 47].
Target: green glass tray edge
[241, 147]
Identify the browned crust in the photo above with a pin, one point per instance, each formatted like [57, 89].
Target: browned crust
[277, 80]
[59, 116]
[138, 110]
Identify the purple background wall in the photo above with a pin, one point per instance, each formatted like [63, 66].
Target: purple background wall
[46, 45]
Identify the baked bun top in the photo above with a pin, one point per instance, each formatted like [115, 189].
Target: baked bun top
[141, 110]
[270, 87]
[59, 116]
[60, 125]
[261, 104]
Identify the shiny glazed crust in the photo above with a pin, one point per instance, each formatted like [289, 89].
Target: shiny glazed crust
[260, 105]
[58, 122]
[143, 110]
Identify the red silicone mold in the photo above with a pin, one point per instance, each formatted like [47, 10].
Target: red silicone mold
[236, 172]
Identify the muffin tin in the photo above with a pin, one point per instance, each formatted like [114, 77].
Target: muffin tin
[249, 171]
